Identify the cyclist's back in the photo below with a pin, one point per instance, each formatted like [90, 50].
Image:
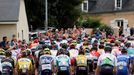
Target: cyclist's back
[24, 65]
[63, 64]
[123, 64]
[106, 63]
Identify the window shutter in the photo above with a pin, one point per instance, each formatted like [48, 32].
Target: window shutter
[112, 23]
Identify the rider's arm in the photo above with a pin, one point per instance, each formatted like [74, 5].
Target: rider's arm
[115, 67]
[31, 67]
[97, 72]
[17, 67]
[130, 66]
[98, 66]
[115, 70]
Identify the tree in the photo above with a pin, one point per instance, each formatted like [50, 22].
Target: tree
[35, 13]
[61, 13]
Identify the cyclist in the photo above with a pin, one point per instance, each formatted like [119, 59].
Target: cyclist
[8, 64]
[130, 51]
[73, 54]
[24, 65]
[63, 63]
[64, 47]
[123, 63]
[81, 62]
[116, 51]
[22, 49]
[95, 55]
[107, 63]
[46, 63]
[30, 56]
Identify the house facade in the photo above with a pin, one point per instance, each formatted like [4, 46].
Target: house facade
[13, 20]
[116, 13]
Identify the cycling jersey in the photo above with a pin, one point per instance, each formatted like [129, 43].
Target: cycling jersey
[81, 60]
[73, 53]
[63, 62]
[107, 59]
[24, 63]
[54, 52]
[45, 62]
[7, 65]
[130, 51]
[8, 62]
[95, 54]
[116, 51]
[123, 62]
[107, 62]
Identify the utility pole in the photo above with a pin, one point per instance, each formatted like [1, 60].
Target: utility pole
[46, 15]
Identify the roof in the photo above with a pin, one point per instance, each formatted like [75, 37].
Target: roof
[9, 10]
[107, 6]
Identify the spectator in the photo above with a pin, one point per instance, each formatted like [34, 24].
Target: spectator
[14, 42]
[4, 42]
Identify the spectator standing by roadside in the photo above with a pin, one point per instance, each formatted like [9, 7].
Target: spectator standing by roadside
[4, 43]
[14, 42]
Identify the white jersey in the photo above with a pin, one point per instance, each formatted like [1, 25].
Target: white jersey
[54, 52]
[37, 53]
[64, 41]
[73, 53]
[107, 58]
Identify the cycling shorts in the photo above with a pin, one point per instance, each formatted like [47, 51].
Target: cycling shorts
[46, 72]
[122, 73]
[106, 70]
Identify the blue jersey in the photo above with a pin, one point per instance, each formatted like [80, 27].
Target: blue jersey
[123, 62]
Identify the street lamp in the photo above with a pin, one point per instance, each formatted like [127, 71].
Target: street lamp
[46, 15]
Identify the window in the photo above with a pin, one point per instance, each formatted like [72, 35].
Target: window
[18, 35]
[22, 34]
[85, 6]
[119, 23]
[118, 4]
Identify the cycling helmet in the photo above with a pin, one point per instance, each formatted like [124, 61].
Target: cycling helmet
[8, 53]
[128, 44]
[28, 52]
[74, 42]
[72, 46]
[2, 52]
[108, 48]
[87, 50]
[81, 52]
[47, 51]
[64, 45]
[61, 51]
[24, 54]
[123, 49]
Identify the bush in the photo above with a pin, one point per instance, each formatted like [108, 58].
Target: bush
[93, 23]
[107, 29]
[89, 23]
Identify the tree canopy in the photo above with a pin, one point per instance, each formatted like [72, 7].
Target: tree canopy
[61, 13]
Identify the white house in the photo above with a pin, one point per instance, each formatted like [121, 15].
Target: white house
[13, 19]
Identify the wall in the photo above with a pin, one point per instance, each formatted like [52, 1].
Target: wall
[7, 30]
[106, 18]
[22, 25]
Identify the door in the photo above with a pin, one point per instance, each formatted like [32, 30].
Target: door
[120, 24]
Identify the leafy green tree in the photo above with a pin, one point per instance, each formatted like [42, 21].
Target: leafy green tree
[61, 13]
[35, 13]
